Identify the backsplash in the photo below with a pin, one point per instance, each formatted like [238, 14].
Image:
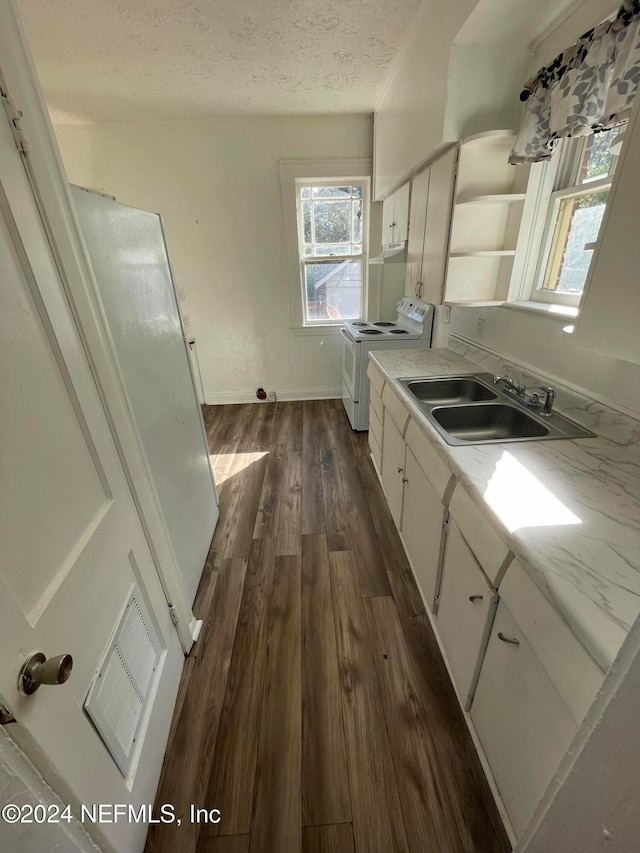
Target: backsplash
[604, 420]
[537, 343]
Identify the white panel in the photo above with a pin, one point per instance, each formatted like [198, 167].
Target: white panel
[522, 722]
[45, 444]
[123, 684]
[130, 262]
[489, 549]
[466, 609]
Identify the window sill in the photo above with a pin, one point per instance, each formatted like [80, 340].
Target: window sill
[303, 331]
[545, 309]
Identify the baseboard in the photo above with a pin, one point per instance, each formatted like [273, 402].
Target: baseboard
[217, 398]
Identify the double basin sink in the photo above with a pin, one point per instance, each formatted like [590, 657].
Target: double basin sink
[471, 409]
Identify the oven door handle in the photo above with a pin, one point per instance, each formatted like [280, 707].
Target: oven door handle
[347, 336]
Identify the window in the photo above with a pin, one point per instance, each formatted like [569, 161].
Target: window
[325, 208]
[584, 171]
[330, 240]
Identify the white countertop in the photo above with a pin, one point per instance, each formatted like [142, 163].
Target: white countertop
[569, 510]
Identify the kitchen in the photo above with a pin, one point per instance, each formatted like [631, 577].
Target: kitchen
[240, 307]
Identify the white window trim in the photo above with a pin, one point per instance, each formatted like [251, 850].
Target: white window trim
[536, 236]
[340, 171]
[538, 292]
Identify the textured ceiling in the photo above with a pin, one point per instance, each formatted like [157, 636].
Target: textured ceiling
[124, 60]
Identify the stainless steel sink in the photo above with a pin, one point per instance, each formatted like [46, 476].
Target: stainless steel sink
[449, 391]
[488, 423]
[470, 409]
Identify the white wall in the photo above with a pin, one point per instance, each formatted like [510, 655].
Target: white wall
[410, 116]
[216, 184]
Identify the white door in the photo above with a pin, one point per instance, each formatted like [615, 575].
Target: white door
[72, 543]
[131, 266]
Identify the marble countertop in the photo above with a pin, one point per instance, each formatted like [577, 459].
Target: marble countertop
[569, 510]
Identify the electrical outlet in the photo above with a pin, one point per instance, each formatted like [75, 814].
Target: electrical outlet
[271, 396]
[447, 313]
[181, 294]
[186, 321]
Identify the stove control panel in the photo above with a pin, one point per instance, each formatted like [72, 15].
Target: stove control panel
[414, 309]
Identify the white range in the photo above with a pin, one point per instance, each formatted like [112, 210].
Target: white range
[411, 328]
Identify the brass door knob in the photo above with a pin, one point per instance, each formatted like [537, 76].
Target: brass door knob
[37, 670]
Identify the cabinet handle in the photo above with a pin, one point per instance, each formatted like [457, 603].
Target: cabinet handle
[400, 470]
[511, 640]
[404, 480]
[473, 598]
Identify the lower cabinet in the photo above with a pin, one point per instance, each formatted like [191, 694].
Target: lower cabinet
[422, 526]
[465, 610]
[518, 669]
[521, 720]
[393, 468]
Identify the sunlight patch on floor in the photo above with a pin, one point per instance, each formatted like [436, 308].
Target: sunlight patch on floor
[226, 465]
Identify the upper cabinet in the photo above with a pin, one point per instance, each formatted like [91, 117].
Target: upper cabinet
[486, 220]
[395, 216]
[611, 304]
[429, 224]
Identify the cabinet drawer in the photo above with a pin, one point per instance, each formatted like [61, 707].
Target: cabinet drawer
[571, 669]
[376, 377]
[428, 458]
[394, 408]
[375, 425]
[375, 402]
[523, 724]
[466, 607]
[489, 549]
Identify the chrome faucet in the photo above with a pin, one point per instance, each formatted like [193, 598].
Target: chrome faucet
[549, 397]
[510, 385]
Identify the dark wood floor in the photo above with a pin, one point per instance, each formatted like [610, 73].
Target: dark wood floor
[315, 711]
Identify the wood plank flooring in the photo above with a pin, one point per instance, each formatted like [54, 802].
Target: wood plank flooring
[315, 711]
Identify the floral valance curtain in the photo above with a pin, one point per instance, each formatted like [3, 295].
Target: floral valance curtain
[589, 87]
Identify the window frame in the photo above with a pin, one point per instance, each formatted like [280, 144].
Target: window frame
[295, 173]
[549, 183]
[300, 183]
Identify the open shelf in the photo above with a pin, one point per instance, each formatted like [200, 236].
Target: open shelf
[488, 253]
[485, 221]
[495, 198]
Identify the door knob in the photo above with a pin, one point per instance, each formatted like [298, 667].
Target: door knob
[37, 670]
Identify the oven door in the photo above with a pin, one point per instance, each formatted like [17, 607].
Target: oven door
[350, 365]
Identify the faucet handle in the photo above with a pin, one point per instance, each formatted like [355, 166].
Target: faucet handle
[550, 396]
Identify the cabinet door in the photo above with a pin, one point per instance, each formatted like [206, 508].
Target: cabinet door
[415, 245]
[523, 724]
[422, 528]
[388, 209]
[438, 227]
[393, 467]
[466, 607]
[401, 214]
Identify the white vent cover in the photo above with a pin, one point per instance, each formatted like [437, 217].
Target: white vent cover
[118, 696]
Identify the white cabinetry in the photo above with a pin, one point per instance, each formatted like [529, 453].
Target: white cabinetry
[395, 216]
[417, 484]
[393, 468]
[429, 225]
[514, 662]
[535, 686]
[466, 607]
[486, 218]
